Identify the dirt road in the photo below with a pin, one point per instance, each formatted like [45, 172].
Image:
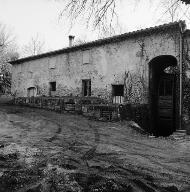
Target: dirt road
[46, 151]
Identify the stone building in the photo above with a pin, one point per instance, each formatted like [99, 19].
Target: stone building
[147, 66]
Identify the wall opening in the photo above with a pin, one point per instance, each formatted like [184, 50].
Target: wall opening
[52, 86]
[117, 93]
[1, 89]
[162, 95]
[86, 87]
[86, 57]
[31, 92]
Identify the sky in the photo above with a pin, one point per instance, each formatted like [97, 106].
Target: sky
[27, 18]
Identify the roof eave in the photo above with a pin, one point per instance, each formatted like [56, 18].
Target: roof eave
[99, 42]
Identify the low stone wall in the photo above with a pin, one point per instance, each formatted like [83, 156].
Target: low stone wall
[88, 106]
[91, 107]
[101, 111]
[55, 104]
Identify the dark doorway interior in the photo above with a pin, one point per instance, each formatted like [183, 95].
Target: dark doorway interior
[52, 86]
[86, 87]
[162, 90]
[117, 93]
[118, 90]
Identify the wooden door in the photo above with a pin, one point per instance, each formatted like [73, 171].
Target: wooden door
[166, 105]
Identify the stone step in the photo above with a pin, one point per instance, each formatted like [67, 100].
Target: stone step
[179, 134]
[181, 131]
[176, 136]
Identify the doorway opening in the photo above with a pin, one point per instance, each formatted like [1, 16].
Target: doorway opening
[162, 95]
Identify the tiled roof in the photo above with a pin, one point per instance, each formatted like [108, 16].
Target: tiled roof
[99, 42]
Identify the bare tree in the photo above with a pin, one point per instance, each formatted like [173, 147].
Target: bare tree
[6, 38]
[95, 12]
[110, 30]
[79, 41]
[7, 52]
[171, 9]
[34, 47]
[174, 10]
[105, 32]
[103, 13]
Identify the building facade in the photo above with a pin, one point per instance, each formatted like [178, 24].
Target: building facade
[141, 67]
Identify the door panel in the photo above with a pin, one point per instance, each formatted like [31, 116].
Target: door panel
[166, 104]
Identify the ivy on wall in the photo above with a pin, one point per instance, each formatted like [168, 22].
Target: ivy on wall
[135, 88]
[186, 84]
[135, 82]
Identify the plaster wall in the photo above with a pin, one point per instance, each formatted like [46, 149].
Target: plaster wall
[124, 62]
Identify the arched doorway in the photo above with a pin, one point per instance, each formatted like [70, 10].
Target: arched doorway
[162, 95]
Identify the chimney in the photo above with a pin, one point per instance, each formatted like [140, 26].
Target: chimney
[71, 38]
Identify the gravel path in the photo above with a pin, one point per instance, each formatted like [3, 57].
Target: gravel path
[98, 156]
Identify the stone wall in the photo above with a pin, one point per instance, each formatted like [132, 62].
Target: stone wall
[186, 84]
[124, 62]
[93, 108]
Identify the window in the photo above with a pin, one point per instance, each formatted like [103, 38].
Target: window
[31, 91]
[118, 90]
[52, 63]
[86, 87]
[86, 57]
[38, 91]
[118, 93]
[52, 86]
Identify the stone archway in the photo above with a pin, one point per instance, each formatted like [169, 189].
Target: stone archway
[162, 95]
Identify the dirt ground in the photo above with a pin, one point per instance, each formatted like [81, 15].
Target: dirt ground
[47, 151]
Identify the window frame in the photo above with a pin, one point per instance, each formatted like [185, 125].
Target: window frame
[86, 84]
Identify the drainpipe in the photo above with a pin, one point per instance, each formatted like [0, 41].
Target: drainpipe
[180, 73]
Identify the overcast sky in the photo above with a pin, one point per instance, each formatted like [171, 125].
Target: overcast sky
[26, 18]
